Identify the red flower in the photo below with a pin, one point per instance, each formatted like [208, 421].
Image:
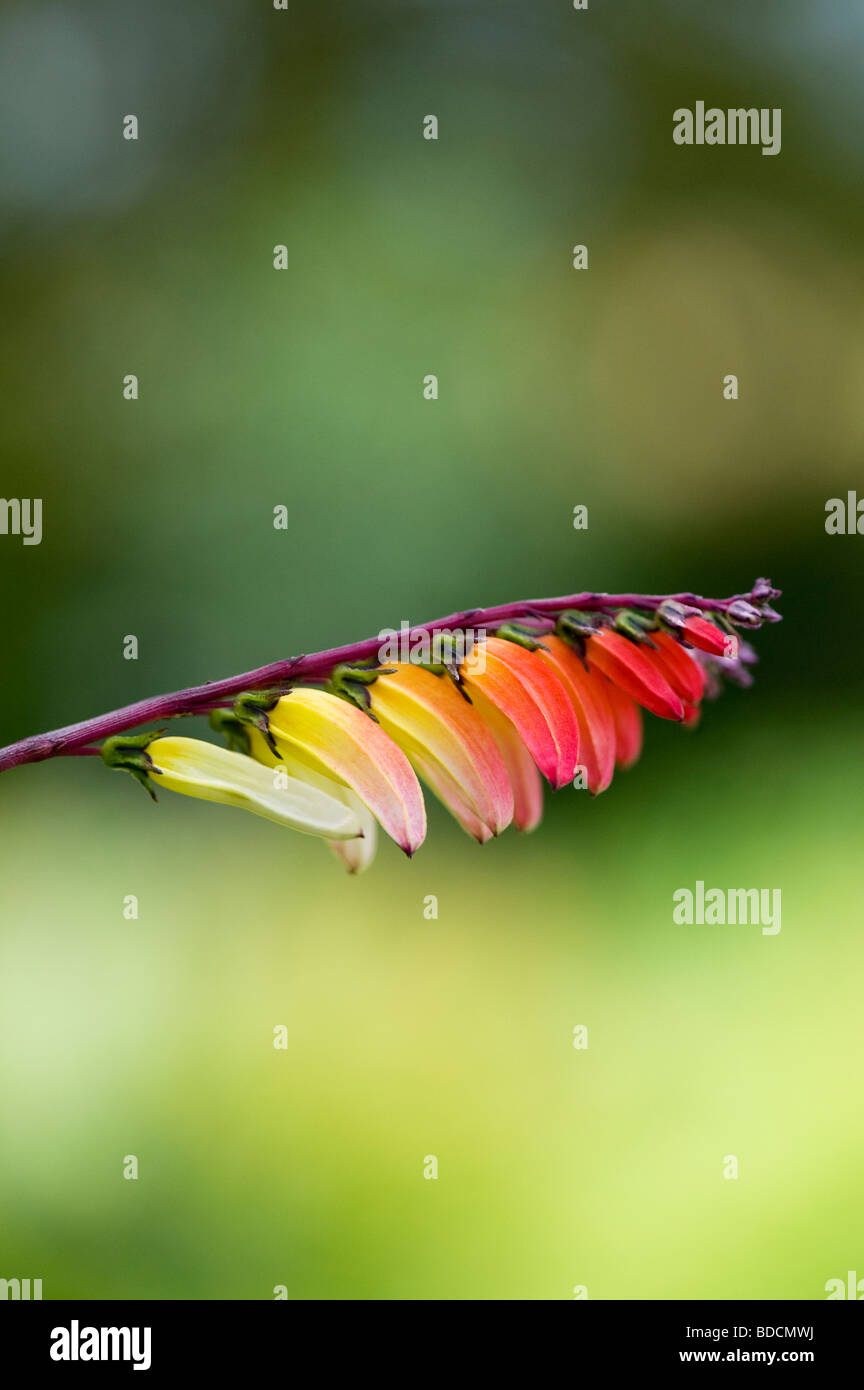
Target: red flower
[709, 638]
[631, 668]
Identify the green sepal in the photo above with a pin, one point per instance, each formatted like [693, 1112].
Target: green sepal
[143, 780]
[636, 626]
[128, 753]
[253, 707]
[351, 680]
[233, 730]
[521, 635]
[573, 622]
[355, 693]
[574, 627]
[359, 672]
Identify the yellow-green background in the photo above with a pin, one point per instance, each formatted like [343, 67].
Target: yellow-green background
[410, 1037]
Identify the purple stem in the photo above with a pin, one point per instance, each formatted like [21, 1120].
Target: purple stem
[200, 699]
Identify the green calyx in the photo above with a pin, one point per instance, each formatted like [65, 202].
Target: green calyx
[351, 681]
[573, 626]
[522, 635]
[636, 626]
[252, 708]
[128, 753]
[233, 730]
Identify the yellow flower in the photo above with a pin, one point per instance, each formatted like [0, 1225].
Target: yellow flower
[355, 854]
[196, 768]
[330, 737]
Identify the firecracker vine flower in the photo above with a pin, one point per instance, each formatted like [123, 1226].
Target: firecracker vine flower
[211, 773]
[337, 743]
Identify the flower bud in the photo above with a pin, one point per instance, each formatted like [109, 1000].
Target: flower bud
[708, 638]
[763, 589]
[743, 612]
[672, 613]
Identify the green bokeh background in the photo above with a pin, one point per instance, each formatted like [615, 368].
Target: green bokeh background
[408, 1037]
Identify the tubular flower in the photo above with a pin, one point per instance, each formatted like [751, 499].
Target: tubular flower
[681, 671]
[628, 666]
[356, 854]
[448, 744]
[627, 717]
[708, 638]
[548, 689]
[335, 738]
[203, 770]
[532, 697]
[588, 693]
[521, 768]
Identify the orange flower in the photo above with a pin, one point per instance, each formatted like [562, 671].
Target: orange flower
[588, 693]
[448, 744]
[521, 768]
[531, 696]
[628, 726]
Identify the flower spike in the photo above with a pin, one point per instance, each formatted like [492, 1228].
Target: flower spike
[550, 686]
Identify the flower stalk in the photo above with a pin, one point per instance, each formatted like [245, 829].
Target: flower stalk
[541, 615]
